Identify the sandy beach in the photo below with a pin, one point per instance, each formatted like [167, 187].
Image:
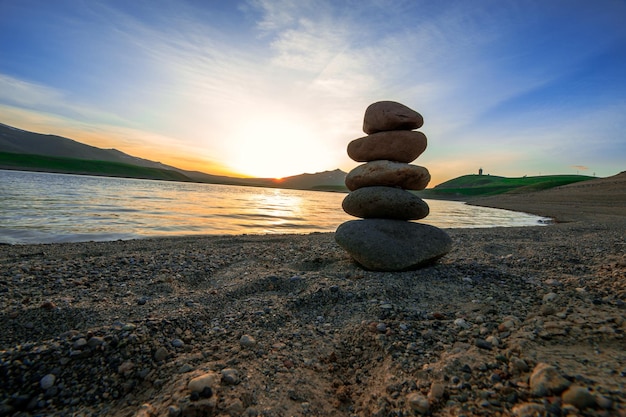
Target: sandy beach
[513, 322]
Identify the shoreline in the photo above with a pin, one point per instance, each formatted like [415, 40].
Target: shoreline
[289, 325]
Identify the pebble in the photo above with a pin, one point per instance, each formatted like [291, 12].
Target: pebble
[462, 323]
[549, 297]
[161, 354]
[437, 390]
[483, 344]
[247, 341]
[230, 376]
[177, 343]
[493, 340]
[79, 343]
[95, 341]
[546, 379]
[579, 397]
[47, 381]
[418, 403]
[517, 365]
[185, 368]
[202, 382]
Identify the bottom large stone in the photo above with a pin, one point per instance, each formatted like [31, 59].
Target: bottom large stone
[392, 245]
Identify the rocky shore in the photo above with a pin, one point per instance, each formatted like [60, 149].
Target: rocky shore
[512, 322]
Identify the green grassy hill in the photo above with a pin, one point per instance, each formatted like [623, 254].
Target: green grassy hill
[487, 185]
[85, 167]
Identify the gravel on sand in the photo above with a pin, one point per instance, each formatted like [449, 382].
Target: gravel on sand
[513, 322]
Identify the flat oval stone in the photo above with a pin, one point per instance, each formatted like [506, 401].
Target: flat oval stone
[385, 203]
[392, 245]
[390, 115]
[397, 145]
[388, 174]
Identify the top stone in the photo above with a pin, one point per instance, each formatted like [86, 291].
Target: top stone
[390, 115]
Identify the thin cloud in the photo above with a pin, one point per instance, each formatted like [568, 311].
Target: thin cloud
[484, 77]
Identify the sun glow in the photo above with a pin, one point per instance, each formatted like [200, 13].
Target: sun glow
[274, 148]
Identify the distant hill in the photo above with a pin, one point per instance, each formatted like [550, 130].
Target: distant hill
[44, 163]
[14, 140]
[471, 186]
[585, 199]
[21, 149]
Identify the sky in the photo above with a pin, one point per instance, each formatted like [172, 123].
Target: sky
[273, 88]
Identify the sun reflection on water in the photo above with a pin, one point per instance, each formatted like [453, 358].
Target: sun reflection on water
[40, 208]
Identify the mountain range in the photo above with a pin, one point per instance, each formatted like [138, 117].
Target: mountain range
[24, 150]
[29, 151]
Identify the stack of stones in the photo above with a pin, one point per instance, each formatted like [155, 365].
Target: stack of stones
[385, 240]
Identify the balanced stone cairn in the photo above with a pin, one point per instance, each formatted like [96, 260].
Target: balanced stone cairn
[385, 240]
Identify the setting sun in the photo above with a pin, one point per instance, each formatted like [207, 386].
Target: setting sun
[272, 147]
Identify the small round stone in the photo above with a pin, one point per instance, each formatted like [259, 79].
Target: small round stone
[388, 174]
[47, 381]
[230, 376]
[161, 354]
[385, 203]
[247, 341]
[397, 145]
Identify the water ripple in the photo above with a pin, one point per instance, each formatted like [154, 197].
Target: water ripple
[45, 208]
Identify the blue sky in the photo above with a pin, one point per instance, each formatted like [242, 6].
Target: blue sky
[278, 88]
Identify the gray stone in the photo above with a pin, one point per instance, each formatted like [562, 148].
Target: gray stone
[80, 343]
[390, 115]
[47, 381]
[161, 354]
[392, 245]
[231, 376]
[388, 174]
[385, 203]
[247, 341]
[397, 145]
[95, 341]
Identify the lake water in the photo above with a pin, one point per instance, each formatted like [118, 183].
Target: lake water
[45, 208]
